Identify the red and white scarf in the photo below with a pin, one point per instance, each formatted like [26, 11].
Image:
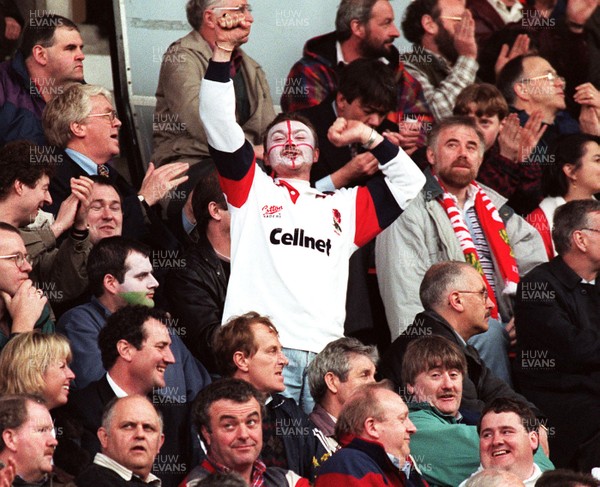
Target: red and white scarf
[495, 234]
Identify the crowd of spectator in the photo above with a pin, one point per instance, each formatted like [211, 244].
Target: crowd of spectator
[436, 208]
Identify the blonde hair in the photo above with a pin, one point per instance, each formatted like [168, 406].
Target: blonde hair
[25, 358]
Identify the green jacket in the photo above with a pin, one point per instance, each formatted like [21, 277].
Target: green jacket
[45, 324]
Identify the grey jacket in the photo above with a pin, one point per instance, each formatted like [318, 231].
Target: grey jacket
[423, 236]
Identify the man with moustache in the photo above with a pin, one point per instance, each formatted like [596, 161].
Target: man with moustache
[444, 55]
[455, 218]
[446, 448]
[27, 440]
[457, 307]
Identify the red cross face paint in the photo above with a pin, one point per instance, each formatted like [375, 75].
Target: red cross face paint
[290, 147]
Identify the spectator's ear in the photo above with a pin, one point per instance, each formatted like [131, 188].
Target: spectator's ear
[241, 361]
[429, 25]
[430, 156]
[40, 55]
[331, 381]
[410, 389]
[103, 437]
[78, 129]
[358, 28]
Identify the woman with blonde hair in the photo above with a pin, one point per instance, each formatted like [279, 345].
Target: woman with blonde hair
[37, 363]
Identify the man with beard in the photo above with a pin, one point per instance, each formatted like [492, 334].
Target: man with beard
[444, 55]
[364, 30]
[455, 218]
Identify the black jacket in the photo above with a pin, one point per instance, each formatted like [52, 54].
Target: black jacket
[558, 358]
[479, 386]
[196, 295]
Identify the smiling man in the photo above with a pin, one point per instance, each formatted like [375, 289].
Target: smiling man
[290, 242]
[456, 218]
[27, 439]
[508, 439]
[82, 122]
[445, 445]
[120, 274]
[131, 436]
[228, 415]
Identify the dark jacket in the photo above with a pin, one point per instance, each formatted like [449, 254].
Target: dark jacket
[99, 476]
[558, 358]
[86, 407]
[303, 451]
[21, 105]
[196, 296]
[479, 386]
[363, 462]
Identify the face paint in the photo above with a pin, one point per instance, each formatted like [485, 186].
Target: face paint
[291, 147]
[137, 297]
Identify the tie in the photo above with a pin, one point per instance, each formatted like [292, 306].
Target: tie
[103, 170]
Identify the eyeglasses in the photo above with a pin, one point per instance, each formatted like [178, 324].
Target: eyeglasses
[551, 77]
[592, 230]
[450, 17]
[241, 8]
[112, 115]
[19, 258]
[483, 293]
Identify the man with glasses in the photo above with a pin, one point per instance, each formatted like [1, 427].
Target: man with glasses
[457, 307]
[179, 133]
[456, 218]
[530, 84]
[22, 307]
[558, 357]
[82, 121]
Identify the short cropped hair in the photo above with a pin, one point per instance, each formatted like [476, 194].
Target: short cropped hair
[568, 150]
[195, 9]
[109, 410]
[510, 405]
[74, 104]
[236, 390]
[439, 280]
[335, 358]
[453, 121]
[362, 404]
[569, 217]
[127, 324]
[25, 359]
[13, 412]
[22, 160]
[411, 23]
[237, 336]
[426, 353]
[370, 81]
[39, 30]
[348, 11]
[207, 189]
[487, 99]
[108, 257]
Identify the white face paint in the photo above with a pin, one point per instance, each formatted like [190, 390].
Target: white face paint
[290, 147]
